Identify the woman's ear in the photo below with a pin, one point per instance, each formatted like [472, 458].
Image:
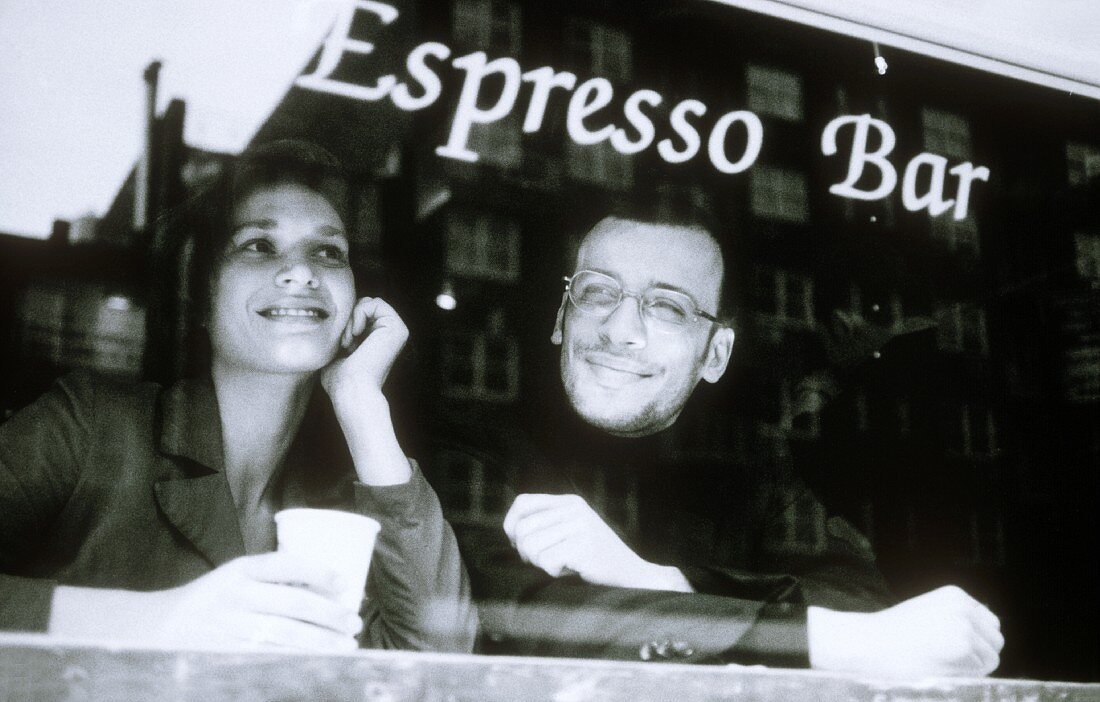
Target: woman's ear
[718, 354]
[555, 337]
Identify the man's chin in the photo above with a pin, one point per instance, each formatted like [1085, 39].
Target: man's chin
[612, 416]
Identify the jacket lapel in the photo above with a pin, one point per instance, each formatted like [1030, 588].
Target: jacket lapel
[193, 493]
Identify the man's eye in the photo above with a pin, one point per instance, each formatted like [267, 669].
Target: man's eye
[668, 310]
[599, 294]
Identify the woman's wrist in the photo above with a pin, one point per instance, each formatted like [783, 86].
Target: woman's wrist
[368, 428]
[119, 615]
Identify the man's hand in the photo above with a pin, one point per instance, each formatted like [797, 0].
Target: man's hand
[943, 632]
[272, 599]
[562, 535]
[362, 373]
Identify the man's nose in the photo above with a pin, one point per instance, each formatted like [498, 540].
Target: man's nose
[625, 326]
[297, 272]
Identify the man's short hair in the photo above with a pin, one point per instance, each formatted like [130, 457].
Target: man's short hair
[675, 207]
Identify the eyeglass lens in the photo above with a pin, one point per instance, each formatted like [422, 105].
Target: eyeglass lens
[601, 294]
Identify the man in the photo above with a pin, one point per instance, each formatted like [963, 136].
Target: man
[701, 577]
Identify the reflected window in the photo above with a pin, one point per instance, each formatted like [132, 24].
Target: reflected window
[74, 324]
[946, 134]
[483, 245]
[785, 296]
[597, 49]
[498, 143]
[962, 328]
[1082, 162]
[960, 236]
[600, 164]
[1086, 249]
[488, 24]
[780, 194]
[482, 364]
[774, 92]
[468, 492]
[971, 430]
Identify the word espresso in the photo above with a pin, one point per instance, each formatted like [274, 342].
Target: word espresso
[589, 98]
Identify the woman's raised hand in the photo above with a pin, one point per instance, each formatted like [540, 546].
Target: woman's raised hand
[365, 369]
[354, 383]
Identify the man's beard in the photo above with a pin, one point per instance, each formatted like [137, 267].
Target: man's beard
[613, 414]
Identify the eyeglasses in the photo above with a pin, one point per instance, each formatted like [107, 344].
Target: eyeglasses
[599, 295]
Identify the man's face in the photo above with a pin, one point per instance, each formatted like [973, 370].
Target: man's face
[621, 373]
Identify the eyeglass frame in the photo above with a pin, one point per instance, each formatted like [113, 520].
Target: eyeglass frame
[640, 297]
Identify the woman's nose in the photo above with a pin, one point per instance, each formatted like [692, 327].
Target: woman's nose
[297, 273]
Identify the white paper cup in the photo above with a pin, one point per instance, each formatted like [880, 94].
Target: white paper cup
[338, 540]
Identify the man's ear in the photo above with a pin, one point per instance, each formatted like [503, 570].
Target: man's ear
[555, 337]
[718, 354]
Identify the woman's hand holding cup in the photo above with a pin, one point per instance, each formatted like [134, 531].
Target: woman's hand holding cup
[269, 600]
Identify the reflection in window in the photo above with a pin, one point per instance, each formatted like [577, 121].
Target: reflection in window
[81, 325]
[987, 540]
[488, 24]
[1081, 374]
[482, 364]
[600, 50]
[946, 134]
[600, 164]
[498, 143]
[368, 218]
[468, 492]
[774, 92]
[483, 245]
[785, 296]
[958, 235]
[874, 309]
[1086, 247]
[961, 328]
[971, 430]
[1082, 162]
[779, 193]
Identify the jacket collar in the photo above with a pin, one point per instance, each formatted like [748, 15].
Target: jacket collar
[318, 469]
[190, 424]
[198, 503]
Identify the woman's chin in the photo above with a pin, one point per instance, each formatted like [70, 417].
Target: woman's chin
[298, 358]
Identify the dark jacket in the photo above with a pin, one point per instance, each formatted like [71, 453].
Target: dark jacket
[121, 486]
[754, 543]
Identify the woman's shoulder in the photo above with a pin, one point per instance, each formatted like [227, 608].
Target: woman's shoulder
[95, 395]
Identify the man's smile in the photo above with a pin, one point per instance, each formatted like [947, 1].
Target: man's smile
[613, 370]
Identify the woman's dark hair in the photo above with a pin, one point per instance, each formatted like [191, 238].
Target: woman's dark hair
[200, 228]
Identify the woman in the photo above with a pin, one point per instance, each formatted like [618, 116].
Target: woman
[146, 513]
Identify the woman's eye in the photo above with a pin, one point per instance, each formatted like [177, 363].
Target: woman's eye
[260, 246]
[333, 253]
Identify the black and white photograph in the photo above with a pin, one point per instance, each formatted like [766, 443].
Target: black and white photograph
[510, 350]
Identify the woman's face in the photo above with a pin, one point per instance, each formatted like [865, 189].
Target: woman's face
[282, 290]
